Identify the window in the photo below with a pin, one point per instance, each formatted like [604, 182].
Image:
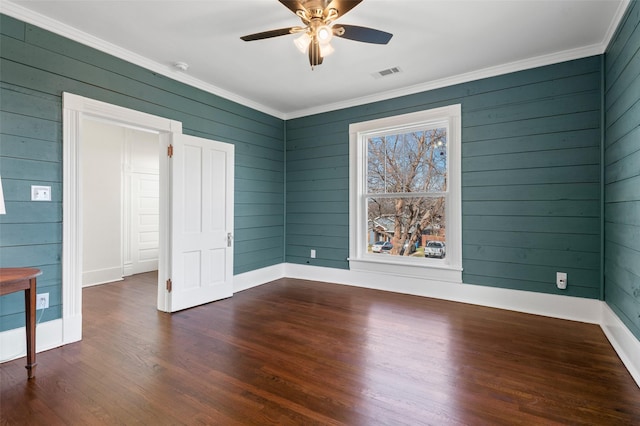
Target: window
[405, 216]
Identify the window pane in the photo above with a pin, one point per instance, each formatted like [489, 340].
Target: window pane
[407, 225]
[408, 162]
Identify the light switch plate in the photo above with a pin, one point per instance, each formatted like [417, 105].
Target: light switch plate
[40, 193]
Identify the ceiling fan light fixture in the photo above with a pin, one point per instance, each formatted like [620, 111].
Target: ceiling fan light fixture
[324, 34]
[302, 42]
[326, 49]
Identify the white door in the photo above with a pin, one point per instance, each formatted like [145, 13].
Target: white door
[142, 208]
[144, 222]
[200, 260]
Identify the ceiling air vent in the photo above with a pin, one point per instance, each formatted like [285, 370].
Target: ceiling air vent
[387, 72]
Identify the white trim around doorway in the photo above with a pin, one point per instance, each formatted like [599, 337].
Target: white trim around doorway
[75, 109]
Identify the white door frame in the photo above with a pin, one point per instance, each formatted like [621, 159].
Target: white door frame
[75, 108]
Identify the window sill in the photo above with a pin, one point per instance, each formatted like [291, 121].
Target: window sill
[432, 271]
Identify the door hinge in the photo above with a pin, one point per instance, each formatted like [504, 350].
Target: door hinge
[170, 151]
[169, 284]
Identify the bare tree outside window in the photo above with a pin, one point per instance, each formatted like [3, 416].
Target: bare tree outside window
[406, 188]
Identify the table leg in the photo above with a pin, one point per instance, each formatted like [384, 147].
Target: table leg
[30, 310]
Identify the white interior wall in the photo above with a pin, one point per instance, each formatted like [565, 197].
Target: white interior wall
[101, 151]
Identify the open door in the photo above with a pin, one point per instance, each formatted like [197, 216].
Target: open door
[197, 197]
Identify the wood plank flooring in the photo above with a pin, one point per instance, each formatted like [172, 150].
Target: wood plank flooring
[295, 352]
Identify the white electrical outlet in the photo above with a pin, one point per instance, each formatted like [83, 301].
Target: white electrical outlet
[42, 301]
[313, 254]
[561, 280]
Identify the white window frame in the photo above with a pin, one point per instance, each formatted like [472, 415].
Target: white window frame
[448, 269]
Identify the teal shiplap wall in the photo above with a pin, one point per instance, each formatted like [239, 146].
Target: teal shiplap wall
[530, 177]
[36, 67]
[622, 171]
[531, 165]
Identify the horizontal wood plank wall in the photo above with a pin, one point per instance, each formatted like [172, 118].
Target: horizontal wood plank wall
[530, 177]
[622, 172]
[37, 66]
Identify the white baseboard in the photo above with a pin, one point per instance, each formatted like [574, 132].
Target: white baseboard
[141, 267]
[55, 333]
[101, 276]
[257, 277]
[127, 270]
[49, 335]
[71, 330]
[624, 343]
[557, 306]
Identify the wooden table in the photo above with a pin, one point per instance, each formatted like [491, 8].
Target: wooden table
[16, 279]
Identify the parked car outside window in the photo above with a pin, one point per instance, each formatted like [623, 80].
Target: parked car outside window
[409, 246]
[434, 249]
[381, 247]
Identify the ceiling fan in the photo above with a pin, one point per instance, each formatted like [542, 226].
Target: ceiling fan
[318, 17]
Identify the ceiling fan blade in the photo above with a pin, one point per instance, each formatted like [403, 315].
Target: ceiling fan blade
[293, 5]
[343, 6]
[268, 34]
[363, 34]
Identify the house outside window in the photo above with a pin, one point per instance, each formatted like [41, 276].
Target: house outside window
[405, 215]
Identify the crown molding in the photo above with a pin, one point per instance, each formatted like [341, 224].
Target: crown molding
[615, 23]
[64, 30]
[57, 27]
[567, 55]
[539, 61]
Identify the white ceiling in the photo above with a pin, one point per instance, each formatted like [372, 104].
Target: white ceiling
[435, 43]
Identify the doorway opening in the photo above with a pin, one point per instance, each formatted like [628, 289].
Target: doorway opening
[119, 168]
[196, 211]
[76, 110]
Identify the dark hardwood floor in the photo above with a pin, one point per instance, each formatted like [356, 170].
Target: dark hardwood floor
[296, 352]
